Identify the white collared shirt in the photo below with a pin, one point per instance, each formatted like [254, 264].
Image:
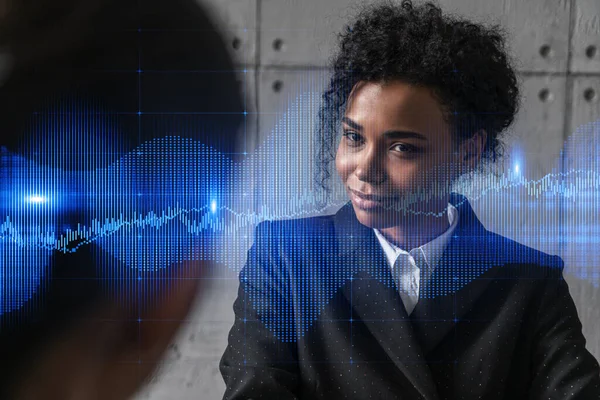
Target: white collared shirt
[406, 266]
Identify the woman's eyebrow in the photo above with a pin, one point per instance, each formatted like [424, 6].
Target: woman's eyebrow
[352, 124]
[394, 134]
[404, 135]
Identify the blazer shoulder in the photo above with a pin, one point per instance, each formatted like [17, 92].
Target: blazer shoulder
[510, 252]
[296, 244]
[294, 229]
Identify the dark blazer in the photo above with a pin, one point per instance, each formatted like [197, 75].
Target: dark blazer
[318, 316]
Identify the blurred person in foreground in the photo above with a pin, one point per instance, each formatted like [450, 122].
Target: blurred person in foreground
[122, 73]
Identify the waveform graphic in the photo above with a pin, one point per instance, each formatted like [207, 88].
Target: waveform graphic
[202, 220]
[174, 198]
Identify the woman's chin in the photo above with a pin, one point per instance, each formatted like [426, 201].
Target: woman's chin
[376, 217]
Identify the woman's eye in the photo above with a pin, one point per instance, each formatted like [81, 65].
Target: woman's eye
[352, 136]
[404, 148]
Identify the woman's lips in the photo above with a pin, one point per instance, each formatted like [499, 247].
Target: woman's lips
[368, 201]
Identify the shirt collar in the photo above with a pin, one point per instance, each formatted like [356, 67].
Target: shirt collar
[432, 251]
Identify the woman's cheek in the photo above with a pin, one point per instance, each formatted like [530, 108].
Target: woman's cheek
[342, 164]
[406, 179]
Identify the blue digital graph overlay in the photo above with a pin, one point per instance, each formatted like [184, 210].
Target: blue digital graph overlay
[173, 199]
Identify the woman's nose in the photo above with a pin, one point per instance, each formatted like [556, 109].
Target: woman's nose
[370, 168]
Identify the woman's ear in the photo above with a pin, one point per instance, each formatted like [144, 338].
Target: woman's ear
[471, 150]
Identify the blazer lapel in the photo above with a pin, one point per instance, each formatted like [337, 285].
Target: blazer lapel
[458, 281]
[374, 298]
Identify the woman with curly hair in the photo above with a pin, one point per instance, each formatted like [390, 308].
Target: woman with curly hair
[403, 294]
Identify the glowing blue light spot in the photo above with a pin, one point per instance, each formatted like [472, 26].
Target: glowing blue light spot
[517, 168]
[36, 199]
[213, 206]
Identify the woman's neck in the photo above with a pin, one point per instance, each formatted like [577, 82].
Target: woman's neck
[415, 231]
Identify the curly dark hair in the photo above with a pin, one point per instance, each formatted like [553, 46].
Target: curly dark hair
[465, 64]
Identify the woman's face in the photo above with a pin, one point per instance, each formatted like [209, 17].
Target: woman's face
[396, 152]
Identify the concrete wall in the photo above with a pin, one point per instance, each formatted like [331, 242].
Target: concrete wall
[283, 47]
